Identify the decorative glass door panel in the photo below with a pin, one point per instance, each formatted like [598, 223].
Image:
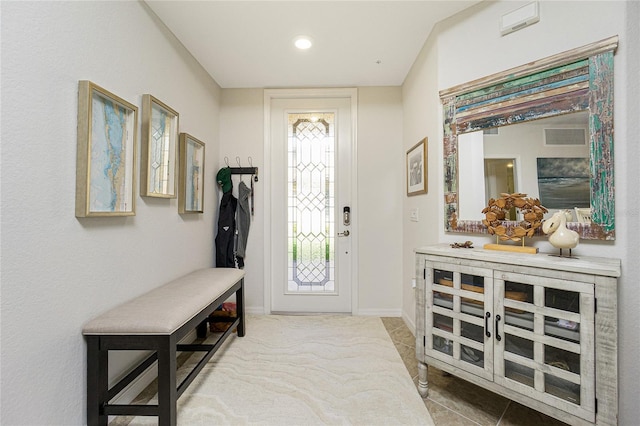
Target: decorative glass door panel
[311, 203]
[458, 319]
[543, 340]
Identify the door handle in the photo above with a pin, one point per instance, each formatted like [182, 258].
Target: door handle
[486, 324]
[344, 234]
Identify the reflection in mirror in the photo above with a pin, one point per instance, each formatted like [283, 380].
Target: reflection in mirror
[499, 176]
[580, 79]
[159, 149]
[546, 159]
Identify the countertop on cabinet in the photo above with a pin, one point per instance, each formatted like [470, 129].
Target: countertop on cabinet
[603, 266]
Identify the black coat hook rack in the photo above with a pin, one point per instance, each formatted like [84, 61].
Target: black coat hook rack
[243, 170]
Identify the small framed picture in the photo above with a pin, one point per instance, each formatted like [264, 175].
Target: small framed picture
[106, 153]
[191, 180]
[417, 169]
[159, 149]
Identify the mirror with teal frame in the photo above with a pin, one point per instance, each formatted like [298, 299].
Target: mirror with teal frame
[577, 80]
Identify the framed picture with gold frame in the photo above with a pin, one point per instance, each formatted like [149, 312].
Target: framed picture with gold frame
[106, 153]
[191, 181]
[159, 149]
[417, 169]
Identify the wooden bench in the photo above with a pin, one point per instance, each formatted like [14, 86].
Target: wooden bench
[157, 321]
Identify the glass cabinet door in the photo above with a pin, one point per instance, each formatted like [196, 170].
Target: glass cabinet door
[544, 340]
[458, 301]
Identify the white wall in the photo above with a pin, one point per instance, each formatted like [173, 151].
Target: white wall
[381, 188]
[472, 37]
[380, 177]
[242, 135]
[58, 271]
[421, 118]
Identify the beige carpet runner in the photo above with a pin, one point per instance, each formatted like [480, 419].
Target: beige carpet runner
[304, 370]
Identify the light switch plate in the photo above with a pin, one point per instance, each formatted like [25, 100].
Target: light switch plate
[414, 215]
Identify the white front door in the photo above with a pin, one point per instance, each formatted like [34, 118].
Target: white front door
[310, 152]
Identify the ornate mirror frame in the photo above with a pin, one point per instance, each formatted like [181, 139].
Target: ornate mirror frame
[576, 80]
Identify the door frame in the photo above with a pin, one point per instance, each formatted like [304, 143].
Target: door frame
[269, 95]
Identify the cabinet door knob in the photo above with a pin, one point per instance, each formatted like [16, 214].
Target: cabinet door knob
[498, 338]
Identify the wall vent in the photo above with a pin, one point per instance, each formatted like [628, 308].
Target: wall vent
[520, 18]
[559, 137]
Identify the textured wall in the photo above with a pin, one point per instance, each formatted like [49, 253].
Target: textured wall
[59, 271]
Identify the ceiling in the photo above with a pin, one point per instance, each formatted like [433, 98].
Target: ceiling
[249, 44]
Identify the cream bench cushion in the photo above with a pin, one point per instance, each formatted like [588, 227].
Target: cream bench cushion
[165, 309]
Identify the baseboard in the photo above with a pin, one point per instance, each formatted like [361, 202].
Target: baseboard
[379, 312]
[361, 312]
[254, 310]
[410, 322]
[141, 382]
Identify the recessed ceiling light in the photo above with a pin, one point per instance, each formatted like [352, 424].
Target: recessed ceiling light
[303, 42]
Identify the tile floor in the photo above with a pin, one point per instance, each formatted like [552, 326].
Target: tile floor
[455, 402]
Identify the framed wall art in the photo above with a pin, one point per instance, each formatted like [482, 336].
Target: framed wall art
[159, 149]
[563, 183]
[191, 180]
[106, 153]
[417, 169]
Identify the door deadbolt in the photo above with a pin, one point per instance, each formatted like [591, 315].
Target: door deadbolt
[346, 216]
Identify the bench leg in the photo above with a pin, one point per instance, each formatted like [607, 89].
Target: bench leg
[167, 386]
[240, 309]
[97, 382]
[201, 329]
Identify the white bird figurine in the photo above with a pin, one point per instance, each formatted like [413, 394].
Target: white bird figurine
[559, 235]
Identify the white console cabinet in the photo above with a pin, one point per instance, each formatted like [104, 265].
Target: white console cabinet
[538, 329]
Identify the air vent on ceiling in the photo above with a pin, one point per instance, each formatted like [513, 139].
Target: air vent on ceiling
[491, 131]
[565, 137]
